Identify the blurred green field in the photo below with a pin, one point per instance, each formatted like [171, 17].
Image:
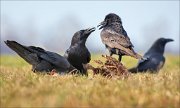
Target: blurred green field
[20, 87]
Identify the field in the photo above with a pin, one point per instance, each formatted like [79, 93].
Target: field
[20, 87]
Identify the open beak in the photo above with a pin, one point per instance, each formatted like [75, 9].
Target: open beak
[169, 40]
[101, 25]
[90, 30]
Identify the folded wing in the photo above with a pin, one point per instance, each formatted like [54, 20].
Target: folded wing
[118, 41]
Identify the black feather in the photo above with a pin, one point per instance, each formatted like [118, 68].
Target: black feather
[78, 54]
[40, 59]
[155, 59]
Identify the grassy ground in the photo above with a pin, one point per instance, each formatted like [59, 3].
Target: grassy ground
[21, 87]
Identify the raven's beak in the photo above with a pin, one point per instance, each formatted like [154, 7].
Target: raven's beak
[101, 25]
[169, 40]
[90, 30]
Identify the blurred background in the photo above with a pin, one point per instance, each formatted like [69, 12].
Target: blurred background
[51, 24]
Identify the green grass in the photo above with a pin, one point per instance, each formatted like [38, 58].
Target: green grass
[21, 87]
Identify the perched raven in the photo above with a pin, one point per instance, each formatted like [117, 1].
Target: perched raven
[41, 60]
[155, 59]
[77, 54]
[115, 37]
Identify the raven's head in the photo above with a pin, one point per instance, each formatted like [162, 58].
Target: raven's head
[159, 44]
[82, 35]
[162, 41]
[110, 18]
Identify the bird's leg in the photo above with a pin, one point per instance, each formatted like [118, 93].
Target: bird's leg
[84, 72]
[110, 53]
[33, 69]
[120, 57]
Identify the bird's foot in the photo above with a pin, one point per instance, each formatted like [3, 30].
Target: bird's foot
[33, 69]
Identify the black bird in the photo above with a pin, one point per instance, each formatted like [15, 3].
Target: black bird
[115, 37]
[40, 59]
[78, 54]
[155, 59]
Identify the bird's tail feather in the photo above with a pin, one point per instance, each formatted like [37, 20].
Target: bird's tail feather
[126, 51]
[132, 53]
[137, 56]
[21, 50]
[133, 70]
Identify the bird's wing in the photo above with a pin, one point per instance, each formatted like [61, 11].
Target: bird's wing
[112, 36]
[146, 65]
[86, 58]
[33, 55]
[36, 49]
[153, 62]
[55, 59]
[147, 58]
[51, 57]
[74, 54]
[89, 58]
[115, 40]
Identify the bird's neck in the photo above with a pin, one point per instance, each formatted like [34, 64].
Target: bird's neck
[79, 42]
[83, 42]
[117, 27]
[157, 48]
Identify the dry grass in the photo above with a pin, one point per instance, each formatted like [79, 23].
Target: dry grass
[22, 88]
